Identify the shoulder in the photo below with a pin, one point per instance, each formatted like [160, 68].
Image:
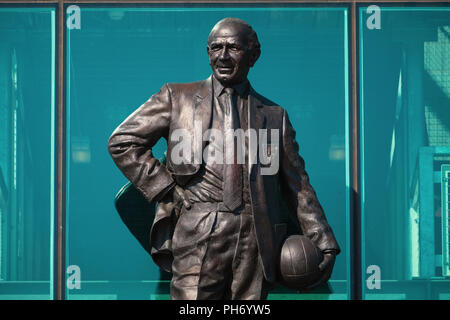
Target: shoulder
[185, 89]
[268, 106]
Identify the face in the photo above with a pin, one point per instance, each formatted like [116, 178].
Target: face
[229, 55]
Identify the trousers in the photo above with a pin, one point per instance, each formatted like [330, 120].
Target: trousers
[216, 255]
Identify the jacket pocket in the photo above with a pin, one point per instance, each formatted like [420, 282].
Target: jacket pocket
[193, 228]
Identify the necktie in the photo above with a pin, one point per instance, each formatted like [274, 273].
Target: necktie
[232, 179]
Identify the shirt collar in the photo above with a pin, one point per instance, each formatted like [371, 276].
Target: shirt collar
[241, 88]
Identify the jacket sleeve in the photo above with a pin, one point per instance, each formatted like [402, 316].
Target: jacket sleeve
[131, 145]
[299, 194]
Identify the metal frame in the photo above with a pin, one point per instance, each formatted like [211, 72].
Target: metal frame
[61, 163]
[355, 171]
[445, 199]
[355, 181]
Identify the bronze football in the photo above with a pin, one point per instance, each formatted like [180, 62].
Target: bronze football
[299, 262]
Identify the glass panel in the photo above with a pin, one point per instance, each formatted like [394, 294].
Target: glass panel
[405, 118]
[119, 57]
[27, 96]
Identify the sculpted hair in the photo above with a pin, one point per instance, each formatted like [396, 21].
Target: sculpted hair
[252, 37]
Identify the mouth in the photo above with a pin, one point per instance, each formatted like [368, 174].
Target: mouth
[225, 69]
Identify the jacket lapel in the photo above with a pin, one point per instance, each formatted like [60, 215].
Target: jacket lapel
[202, 118]
[256, 122]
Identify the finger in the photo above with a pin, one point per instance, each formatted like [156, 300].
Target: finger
[326, 274]
[324, 263]
[179, 197]
[328, 261]
[202, 194]
[186, 202]
[205, 195]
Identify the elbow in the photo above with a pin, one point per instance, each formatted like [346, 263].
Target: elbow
[111, 145]
[114, 145]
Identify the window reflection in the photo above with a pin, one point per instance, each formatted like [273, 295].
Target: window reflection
[406, 146]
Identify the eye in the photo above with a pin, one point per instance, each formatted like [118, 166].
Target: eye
[215, 47]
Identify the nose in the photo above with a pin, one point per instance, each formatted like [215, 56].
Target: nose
[224, 53]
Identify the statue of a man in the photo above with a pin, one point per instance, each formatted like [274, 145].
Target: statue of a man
[219, 222]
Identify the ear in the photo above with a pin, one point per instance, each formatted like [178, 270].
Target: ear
[254, 56]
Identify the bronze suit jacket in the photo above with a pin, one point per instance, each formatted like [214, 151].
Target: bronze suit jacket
[178, 106]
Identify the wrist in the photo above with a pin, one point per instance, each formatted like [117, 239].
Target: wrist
[166, 192]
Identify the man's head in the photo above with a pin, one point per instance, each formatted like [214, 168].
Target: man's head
[233, 49]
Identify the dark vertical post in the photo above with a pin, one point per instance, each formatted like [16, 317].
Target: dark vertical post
[61, 165]
[355, 219]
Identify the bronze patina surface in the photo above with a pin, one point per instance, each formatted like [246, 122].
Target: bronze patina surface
[218, 226]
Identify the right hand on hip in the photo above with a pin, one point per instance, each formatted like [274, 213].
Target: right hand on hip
[179, 197]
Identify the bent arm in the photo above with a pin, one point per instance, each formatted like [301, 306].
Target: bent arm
[130, 146]
[300, 195]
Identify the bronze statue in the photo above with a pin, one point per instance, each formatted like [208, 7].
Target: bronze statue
[219, 226]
